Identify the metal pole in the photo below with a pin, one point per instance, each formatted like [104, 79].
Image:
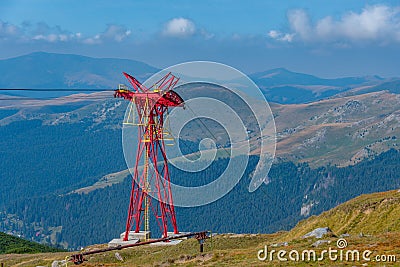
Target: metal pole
[78, 258]
[146, 185]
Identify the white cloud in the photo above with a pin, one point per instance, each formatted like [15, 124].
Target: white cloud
[179, 27]
[41, 32]
[288, 37]
[115, 33]
[52, 38]
[207, 35]
[300, 23]
[35, 32]
[8, 30]
[378, 23]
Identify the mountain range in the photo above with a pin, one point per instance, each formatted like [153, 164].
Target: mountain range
[61, 159]
[46, 70]
[49, 70]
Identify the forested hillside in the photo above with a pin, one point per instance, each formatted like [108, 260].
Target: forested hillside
[295, 192]
[47, 152]
[10, 245]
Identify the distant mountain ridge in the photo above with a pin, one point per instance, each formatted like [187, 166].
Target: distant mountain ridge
[340, 130]
[50, 70]
[63, 150]
[275, 77]
[286, 87]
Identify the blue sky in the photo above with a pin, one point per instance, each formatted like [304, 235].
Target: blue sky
[325, 38]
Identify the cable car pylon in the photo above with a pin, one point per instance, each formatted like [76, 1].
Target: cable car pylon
[151, 105]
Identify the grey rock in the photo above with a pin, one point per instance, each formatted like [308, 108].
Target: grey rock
[319, 232]
[58, 263]
[363, 235]
[283, 244]
[118, 256]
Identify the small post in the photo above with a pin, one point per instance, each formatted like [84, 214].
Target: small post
[201, 243]
[2, 264]
[201, 238]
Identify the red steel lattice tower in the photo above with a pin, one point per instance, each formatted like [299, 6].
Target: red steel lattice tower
[151, 106]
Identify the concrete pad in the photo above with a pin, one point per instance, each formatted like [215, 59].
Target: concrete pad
[119, 242]
[141, 235]
[170, 243]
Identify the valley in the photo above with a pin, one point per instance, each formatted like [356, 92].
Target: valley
[199, 133]
[65, 154]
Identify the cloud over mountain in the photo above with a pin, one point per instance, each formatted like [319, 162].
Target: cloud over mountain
[113, 32]
[377, 23]
[42, 32]
[179, 27]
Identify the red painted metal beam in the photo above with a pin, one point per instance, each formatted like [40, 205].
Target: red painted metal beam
[152, 105]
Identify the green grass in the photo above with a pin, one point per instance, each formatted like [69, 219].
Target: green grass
[225, 250]
[368, 214]
[346, 134]
[14, 245]
[376, 215]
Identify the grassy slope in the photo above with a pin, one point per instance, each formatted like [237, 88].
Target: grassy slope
[225, 250]
[340, 131]
[376, 215]
[11, 244]
[368, 214]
